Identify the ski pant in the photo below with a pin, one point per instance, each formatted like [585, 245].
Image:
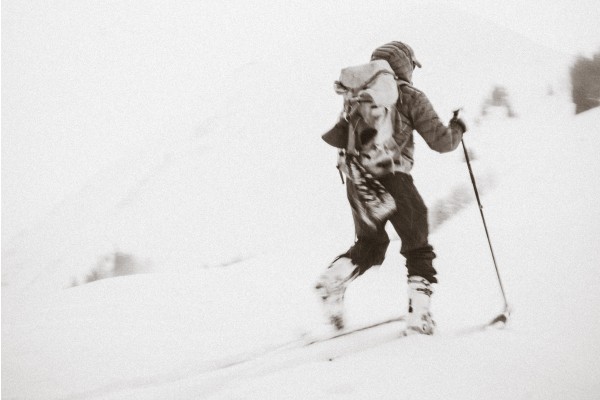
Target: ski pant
[410, 222]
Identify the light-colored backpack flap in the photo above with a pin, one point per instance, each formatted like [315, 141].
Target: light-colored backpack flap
[374, 80]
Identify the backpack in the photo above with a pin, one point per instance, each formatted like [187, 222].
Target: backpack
[374, 82]
[362, 159]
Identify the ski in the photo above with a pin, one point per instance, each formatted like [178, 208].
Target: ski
[351, 331]
[334, 346]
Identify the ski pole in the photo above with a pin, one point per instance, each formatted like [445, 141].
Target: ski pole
[504, 316]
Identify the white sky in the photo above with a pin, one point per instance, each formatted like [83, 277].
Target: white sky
[40, 44]
[570, 26]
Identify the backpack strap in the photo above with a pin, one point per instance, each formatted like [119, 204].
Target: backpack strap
[351, 145]
[400, 84]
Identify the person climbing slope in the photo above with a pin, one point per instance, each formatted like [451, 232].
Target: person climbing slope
[407, 212]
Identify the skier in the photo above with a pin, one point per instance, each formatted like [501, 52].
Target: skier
[409, 218]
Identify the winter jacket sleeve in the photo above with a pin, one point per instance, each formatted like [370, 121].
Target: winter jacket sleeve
[426, 121]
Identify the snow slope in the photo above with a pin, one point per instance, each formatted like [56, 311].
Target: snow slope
[188, 331]
[186, 335]
[233, 166]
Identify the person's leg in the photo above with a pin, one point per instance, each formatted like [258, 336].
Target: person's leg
[368, 250]
[371, 240]
[410, 222]
[331, 288]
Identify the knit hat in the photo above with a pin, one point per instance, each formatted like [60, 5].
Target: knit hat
[400, 56]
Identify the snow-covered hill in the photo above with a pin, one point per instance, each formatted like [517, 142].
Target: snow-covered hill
[204, 334]
[245, 176]
[241, 182]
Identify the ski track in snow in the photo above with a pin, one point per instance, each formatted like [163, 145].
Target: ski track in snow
[214, 376]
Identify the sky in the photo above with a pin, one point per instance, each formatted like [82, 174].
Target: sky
[569, 26]
[70, 109]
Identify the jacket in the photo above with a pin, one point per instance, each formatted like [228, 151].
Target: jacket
[417, 113]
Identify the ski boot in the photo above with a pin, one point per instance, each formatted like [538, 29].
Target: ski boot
[419, 318]
[331, 287]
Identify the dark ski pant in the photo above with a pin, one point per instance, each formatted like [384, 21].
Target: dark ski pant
[410, 222]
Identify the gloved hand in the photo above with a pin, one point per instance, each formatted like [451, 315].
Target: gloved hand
[457, 123]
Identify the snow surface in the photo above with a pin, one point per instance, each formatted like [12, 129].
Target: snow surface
[254, 182]
[172, 335]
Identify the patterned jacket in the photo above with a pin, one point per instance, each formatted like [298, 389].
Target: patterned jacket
[417, 113]
[416, 110]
